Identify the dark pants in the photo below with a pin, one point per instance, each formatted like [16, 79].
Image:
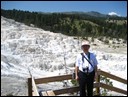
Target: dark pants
[86, 83]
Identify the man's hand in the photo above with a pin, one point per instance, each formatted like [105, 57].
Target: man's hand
[77, 78]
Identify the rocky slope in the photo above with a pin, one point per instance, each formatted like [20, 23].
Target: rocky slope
[43, 52]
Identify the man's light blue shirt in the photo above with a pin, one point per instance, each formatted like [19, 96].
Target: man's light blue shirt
[81, 65]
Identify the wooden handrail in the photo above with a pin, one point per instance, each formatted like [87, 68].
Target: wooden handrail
[71, 89]
[100, 72]
[29, 86]
[53, 79]
[35, 91]
[32, 88]
[113, 88]
[107, 75]
[97, 85]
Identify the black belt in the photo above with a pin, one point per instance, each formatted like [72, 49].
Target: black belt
[87, 72]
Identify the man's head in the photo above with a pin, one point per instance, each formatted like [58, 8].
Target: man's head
[85, 46]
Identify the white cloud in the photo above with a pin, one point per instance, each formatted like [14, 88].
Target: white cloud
[113, 13]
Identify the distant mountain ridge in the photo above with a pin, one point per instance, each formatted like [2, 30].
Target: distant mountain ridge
[80, 24]
[90, 13]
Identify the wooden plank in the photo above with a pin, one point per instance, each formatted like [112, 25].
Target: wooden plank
[112, 77]
[113, 88]
[29, 86]
[34, 94]
[96, 85]
[71, 89]
[44, 93]
[35, 91]
[53, 79]
[66, 90]
[50, 93]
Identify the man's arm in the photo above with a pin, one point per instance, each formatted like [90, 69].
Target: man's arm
[77, 64]
[76, 71]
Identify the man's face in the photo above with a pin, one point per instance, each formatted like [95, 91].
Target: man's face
[85, 48]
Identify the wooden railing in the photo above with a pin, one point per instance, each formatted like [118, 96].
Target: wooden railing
[33, 91]
[111, 76]
[32, 88]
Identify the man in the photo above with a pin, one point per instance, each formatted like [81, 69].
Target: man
[86, 70]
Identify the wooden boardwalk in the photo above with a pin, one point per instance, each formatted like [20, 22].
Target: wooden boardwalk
[33, 91]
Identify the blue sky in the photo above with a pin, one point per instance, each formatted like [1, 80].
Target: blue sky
[105, 7]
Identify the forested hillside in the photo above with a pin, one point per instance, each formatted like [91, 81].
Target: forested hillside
[72, 24]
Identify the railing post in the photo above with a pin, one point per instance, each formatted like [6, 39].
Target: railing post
[29, 86]
[98, 81]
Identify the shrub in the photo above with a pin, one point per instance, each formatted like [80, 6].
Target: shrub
[74, 82]
[106, 41]
[105, 80]
[9, 94]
